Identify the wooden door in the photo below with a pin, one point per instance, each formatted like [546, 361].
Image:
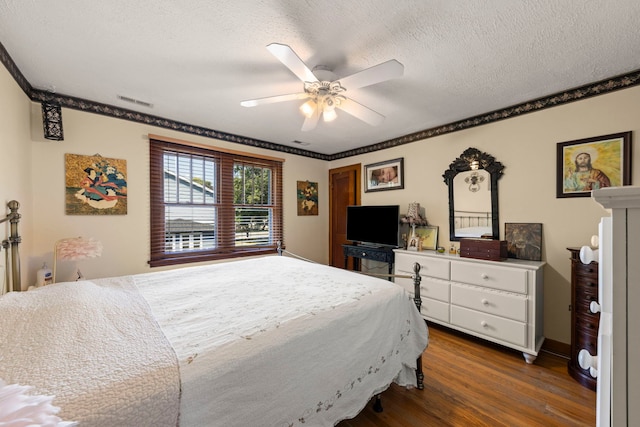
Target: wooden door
[344, 190]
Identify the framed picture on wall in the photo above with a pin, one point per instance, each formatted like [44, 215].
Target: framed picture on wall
[388, 175]
[95, 185]
[307, 195]
[592, 163]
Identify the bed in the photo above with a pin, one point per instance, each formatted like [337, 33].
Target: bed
[267, 341]
[472, 224]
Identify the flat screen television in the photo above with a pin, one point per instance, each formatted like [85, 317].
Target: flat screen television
[374, 225]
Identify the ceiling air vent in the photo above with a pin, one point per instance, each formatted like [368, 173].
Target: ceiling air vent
[135, 101]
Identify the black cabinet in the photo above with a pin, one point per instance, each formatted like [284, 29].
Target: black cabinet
[380, 254]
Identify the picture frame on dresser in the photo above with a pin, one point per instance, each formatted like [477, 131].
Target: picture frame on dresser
[427, 236]
[524, 240]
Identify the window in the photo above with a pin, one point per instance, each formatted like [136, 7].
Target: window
[210, 204]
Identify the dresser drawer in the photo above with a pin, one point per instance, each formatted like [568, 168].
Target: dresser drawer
[429, 267]
[435, 309]
[582, 305]
[588, 324]
[429, 288]
[586, 269]
[506, 279]
[586, 342]
[512, 306]
[489, 325]
[586, 288]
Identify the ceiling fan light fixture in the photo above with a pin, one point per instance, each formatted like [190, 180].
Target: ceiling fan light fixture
[308, 108]
[329, 114]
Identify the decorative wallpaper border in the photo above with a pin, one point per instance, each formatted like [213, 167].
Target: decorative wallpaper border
[577, 94]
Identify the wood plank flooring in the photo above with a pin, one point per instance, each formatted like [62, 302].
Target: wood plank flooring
[469, 382]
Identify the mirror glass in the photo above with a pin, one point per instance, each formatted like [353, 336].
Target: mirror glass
[473, 195]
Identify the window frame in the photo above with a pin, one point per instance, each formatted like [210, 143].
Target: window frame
[225, 225]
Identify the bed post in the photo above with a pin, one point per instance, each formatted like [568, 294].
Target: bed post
[279, 248]
[418, 301]
[14, 239]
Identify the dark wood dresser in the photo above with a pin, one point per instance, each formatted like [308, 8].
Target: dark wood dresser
[584, 323]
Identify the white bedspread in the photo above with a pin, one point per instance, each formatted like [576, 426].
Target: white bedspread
[269, 341]
[96, 348]
[276, 341]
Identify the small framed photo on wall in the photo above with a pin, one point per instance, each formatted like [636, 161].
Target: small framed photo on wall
[388, 175]
[307, 197]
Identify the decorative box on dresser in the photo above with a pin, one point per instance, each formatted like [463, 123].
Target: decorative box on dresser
[584, 323]
[500, 301]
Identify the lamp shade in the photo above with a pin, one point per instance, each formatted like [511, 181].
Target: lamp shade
[308, 108]
[75, 248]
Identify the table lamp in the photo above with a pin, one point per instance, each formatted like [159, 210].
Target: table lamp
[74, 249]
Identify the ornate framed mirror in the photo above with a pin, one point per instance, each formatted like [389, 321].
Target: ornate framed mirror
[473, 195]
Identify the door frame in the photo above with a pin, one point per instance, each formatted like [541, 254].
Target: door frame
[356, 168]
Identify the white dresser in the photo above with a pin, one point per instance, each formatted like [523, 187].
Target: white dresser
[500, 301]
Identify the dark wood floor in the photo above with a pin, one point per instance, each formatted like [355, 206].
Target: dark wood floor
[470, 382]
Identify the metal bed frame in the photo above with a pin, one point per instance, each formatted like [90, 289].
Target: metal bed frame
[12, 280]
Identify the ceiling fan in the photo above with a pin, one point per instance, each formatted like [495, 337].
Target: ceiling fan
[324, 93]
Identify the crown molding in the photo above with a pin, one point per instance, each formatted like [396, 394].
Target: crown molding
[594, 89]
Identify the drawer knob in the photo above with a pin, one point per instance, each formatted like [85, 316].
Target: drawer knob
[484, 324]
[485, 276]
[485, 301]
[588, 362]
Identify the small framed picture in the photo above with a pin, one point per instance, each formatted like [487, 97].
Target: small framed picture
[307, 195]
[413, 244]
[388, 175]
[524, 240]
[428, 237]
[592, 163]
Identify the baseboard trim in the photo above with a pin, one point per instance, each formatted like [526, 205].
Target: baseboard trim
[556, 347]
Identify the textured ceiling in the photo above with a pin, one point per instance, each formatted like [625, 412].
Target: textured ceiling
[195, 60]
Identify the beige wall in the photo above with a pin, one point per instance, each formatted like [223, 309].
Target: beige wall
[126, 237]
[33, 172]
[15, 160]
[526, 146]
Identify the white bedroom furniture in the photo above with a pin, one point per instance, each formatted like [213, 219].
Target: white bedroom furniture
[498, 301]
[616, 365]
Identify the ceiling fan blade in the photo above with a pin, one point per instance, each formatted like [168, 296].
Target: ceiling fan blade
[311, 122]
[274, 99]
[361, 112]
[370, 76]
[288, 57]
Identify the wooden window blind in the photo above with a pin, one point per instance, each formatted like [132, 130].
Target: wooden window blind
[208, 204]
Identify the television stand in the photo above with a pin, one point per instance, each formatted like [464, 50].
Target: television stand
[358, 252]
